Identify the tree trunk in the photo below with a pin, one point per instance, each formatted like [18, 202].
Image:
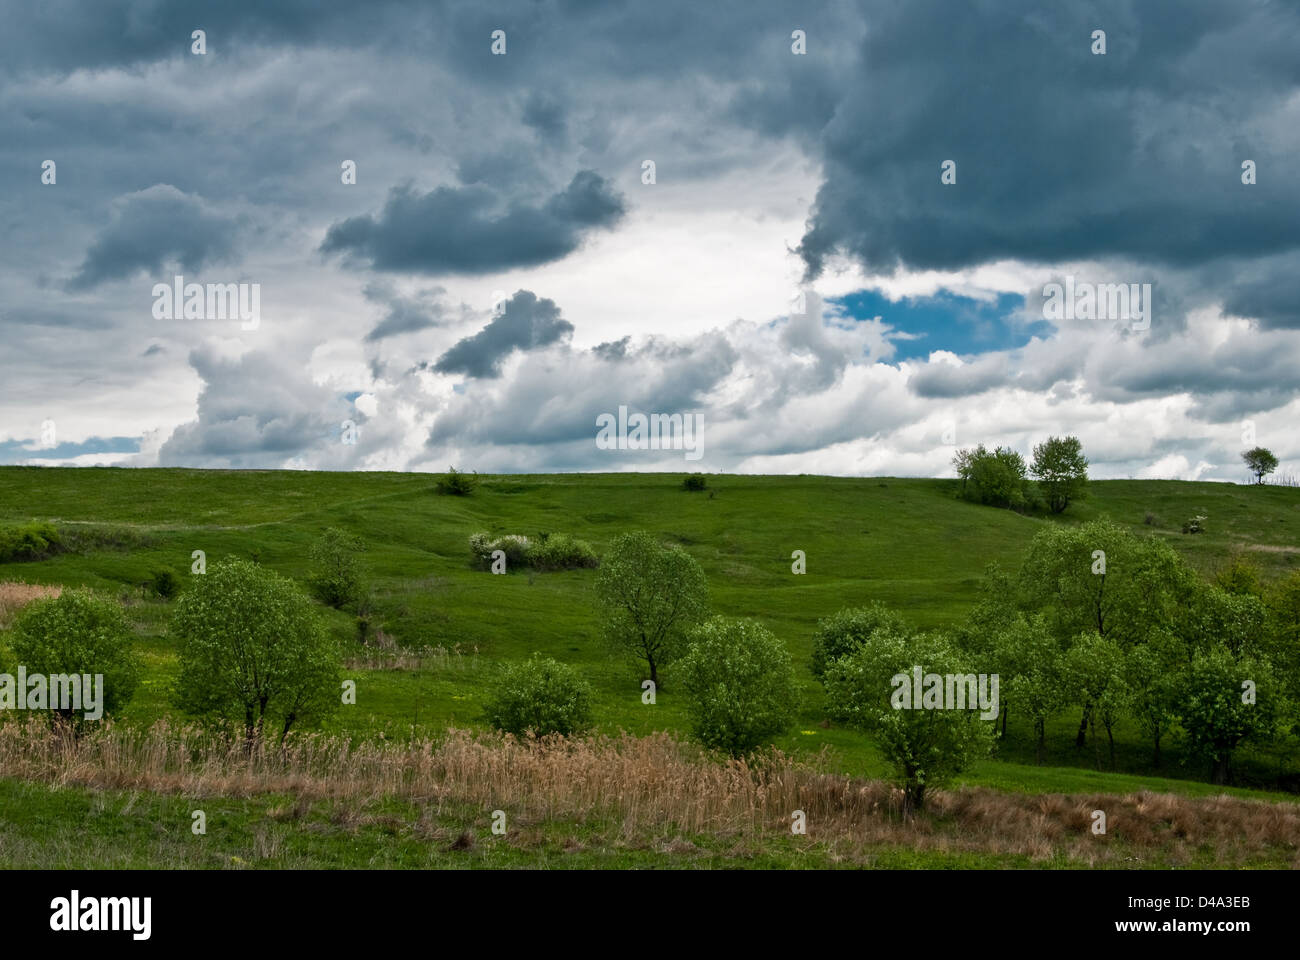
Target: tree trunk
[1041, 726]
[1083, 729]
[1220, 774]
[1004, 723]
[1110, 735]
[913, 799]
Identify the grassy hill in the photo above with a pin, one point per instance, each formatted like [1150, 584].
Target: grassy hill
[907, 542]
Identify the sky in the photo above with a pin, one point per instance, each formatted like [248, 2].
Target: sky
[829, 232]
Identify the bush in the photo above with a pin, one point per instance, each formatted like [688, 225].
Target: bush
[739, 683]
[252, 651]
[457, 484]
[164, 583]
[79, 633]
[28, 541]
[1194, 525]
[997, 478]
[695, 481]
[842, 633]
[515, 547]
[559, 551]
[1150, 519]
[336, 575]
[1218, 716]
[540, 696]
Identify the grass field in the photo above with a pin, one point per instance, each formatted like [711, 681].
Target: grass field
[906, 542]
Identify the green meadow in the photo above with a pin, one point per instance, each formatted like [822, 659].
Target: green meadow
[909, 543]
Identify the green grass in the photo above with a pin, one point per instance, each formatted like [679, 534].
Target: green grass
[909, 543]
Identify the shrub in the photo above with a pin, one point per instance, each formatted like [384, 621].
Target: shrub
[997, 478]
[336, 574]
[514, 546]
[252, 651]
[695, 481]
[1195, 524]
[1150, 519]
[845, 631]
[79, 633]
[28, 541]
[1216, 712]
[739, 683]
[559, 551]
[541, 696]
[457, 484]
[164, 583]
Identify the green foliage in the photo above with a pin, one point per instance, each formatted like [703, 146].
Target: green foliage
[28, 541]
[336, 572]
[1061, 470]
[559, 551]
[695, 481]
[1217, 712]
[164, 583]
[649, 596]
[925, 747]
[1096, 678]
[740, 685]
[456, 484]
[1240, 576]
[846, 630]
[1195, 524]
[1141, 588]
[252, 651]
[1150, 677]
[79, 633]
[1217, 617]
[541, 696]
[997, 478]
[1037, 681]
[1261, 462]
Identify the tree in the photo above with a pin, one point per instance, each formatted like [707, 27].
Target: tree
[846, 630]
[925, 747]
[1095, 671]
[997, 478]
[1039, 685]
[739, 684]
[1261, 462]
[1224, 703]
[650, 595]
[1150, 674]
[541, 696]
[336, 574]
[252, 650]
[78, 633]
[1061, 470]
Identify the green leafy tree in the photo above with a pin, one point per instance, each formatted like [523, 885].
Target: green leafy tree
[846, 630]
[995, 477]
[925, 747]
[78, 633]
[540, 696]
[1223, 703]
[1096, 678]
[1061, 470]
[1237, 621]
[253, 651]
[1151, 677]
[1261, 462]
[1038, 684]
[739, 683]
[650, 595]
[336, 571]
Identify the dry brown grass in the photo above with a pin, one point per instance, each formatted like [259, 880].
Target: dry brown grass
[14, 596]
[656, 790]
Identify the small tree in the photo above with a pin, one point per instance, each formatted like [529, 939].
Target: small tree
[926, 747]
[1037, 680]
[997, 477]
[78, 633]
[843, 632]
[1095, 675]
[650, 595]
[1261, 462]
[252, 650]
[1061, 470]
[1150, 675]
[336, 573]
[540, 696]
[1224, 703]
[740, 685]
[457, 484]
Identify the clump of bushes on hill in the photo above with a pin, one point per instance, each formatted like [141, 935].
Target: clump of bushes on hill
[457, 484]
[336, 571]
[540, 696]
[1195, 524]
[996, 477]
[40, 540]
[78, 633]
[739, 684]
[840, 634]
[28, 541]
[164, 583]
[550, 551]
[695, 482]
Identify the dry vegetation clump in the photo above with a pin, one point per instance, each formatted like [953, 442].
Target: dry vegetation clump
[656, 790]
[14, 596]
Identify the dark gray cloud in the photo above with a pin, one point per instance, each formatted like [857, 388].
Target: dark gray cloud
[404, 314]
[524, 323]
[471, 230]
[154, 227]
[1062, 154]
